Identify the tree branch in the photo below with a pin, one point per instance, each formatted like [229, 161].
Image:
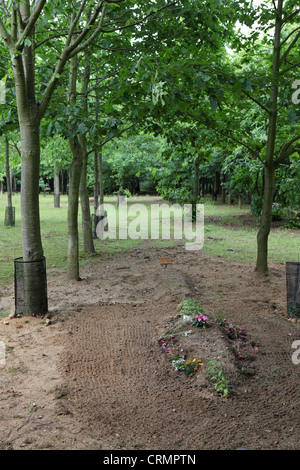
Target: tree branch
[2, 3]
[120, 133]
[4, 33]
[290, 68]
[30, 24]
[288, 18]
[257, 102]
[286, 151]
[141, 20]
[289, 35]
[69, 51]
[77, 47]
[288, 50]
[74, 23]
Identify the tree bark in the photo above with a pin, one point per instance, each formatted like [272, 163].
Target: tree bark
[74, 183]
[56, 186]
[196, 188]
[101, 187]
[88, 243]
[10, 218]
[96, 192]
[266, 218]
[73, 202]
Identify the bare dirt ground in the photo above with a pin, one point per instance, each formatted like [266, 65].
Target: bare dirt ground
[94, 375]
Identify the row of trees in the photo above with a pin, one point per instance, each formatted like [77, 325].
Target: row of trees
[90, 71]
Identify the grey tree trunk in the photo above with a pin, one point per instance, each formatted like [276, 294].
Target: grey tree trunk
[56, 185]
[196, 188]
[10, 217]
[96, 193]
[74, 183]
[88, 242]
[73, 203]
[101, 187]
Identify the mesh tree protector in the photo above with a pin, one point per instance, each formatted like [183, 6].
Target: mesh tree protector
[30, 278]
[293, 289]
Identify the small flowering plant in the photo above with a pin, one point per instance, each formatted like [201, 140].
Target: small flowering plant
[200, 321]
[191, 366]
[236, 333]
[245, 353]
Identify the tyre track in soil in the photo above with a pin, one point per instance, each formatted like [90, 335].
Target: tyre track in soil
[123, 391]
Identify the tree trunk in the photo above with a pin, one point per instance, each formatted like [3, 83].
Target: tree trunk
[265, 224]
[73, 202]
[96, 192]
[35, 283]
[10, 218]
[266, 218]
[101, 187]
[88, 243]
[196, 188]
[74, 183]
[56, 186]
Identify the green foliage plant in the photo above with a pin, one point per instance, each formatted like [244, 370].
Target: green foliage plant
[215, 374]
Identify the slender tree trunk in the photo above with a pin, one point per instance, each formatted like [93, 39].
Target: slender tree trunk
[56, 185]
[265, 224]
[73, 203]
[101, 187]
[74, 183]
[96, 192]
[196, 188]
[34, 275]
[10, 218]
[88, 243]
[266, 219]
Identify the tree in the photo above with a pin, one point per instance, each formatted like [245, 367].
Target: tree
[276, 151]
[22, 33]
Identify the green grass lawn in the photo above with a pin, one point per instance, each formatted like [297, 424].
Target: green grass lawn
[229, 232]
[236, 229]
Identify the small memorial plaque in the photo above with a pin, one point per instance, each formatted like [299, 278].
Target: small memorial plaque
[165, 261]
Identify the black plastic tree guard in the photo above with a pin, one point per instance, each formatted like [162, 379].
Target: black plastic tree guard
[30, 279]
[293, 289]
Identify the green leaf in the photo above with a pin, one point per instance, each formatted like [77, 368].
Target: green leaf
[82, 128]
